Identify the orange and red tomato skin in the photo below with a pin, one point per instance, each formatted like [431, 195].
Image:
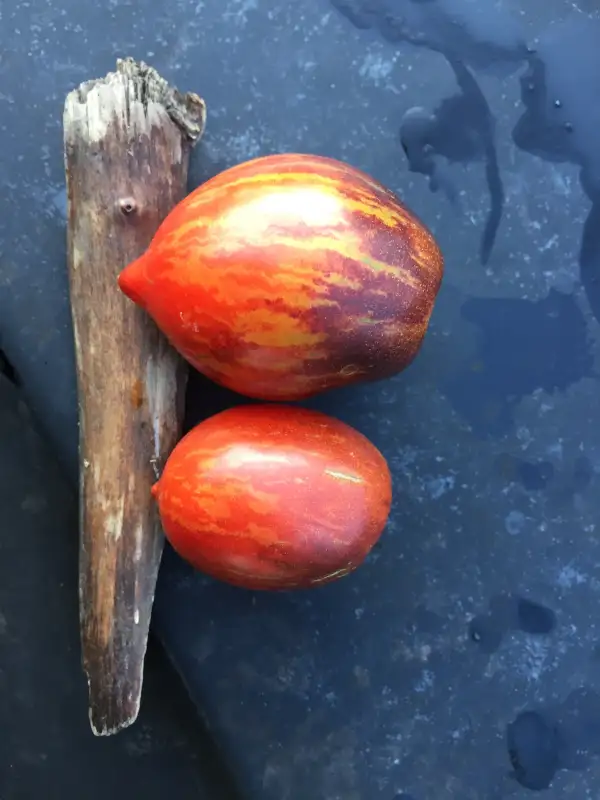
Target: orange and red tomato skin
[290, 266]
[281, 278]
[274, 497]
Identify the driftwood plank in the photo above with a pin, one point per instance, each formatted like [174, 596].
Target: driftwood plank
[127, 142]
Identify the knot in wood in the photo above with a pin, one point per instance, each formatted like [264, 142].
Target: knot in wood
[127, 206]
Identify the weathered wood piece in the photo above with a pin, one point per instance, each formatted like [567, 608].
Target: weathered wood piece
[127, 141]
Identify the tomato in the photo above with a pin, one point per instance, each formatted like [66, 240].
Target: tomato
[289, 275]
[274, 497]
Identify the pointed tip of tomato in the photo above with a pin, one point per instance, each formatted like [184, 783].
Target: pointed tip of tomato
[131, 281]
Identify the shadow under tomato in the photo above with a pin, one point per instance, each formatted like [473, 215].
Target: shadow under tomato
[205, 399]
[284, 616]
[372, 408]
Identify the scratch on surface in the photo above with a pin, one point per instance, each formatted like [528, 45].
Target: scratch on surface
[114, 518]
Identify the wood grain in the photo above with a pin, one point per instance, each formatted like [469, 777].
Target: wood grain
[127, 141]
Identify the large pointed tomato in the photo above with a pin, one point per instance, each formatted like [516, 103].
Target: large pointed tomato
[274, 497]
[288, 275]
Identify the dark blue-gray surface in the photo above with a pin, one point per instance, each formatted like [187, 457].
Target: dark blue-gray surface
[462, 660]
[46, 746]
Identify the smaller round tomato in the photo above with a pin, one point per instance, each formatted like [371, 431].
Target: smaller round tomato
[274, 497]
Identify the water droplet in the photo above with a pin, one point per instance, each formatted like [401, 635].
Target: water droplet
[515, 522]
[569, 127]
[557, 104]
